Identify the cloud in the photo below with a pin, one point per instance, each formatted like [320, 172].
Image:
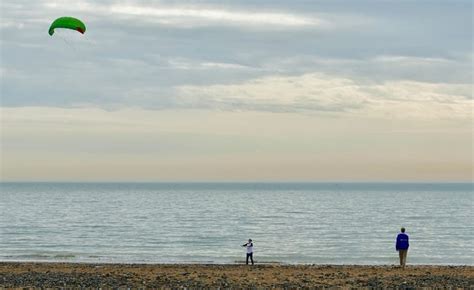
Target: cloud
[316, 92]
[190, 64]
[379, 67]
[194, 16]
[127, 58]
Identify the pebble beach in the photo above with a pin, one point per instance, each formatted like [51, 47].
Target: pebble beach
[123, 276]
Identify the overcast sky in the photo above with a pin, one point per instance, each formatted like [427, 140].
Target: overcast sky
[238, 90]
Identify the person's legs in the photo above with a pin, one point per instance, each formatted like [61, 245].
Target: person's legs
[251, 257]
[403, 257]
[247, 259]
[405, 252]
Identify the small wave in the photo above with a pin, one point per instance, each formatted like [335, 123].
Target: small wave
[28, 256]
[40, 256]
[64, 256]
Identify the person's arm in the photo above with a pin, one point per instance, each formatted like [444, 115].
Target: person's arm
[397, 244]
[245, 245]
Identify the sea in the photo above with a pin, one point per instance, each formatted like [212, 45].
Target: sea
[289, 223]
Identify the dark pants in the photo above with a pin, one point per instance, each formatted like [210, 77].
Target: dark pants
[249, 255]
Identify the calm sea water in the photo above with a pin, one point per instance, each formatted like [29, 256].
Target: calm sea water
[206, 223]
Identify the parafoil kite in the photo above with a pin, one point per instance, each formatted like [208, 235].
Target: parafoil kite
[69, 23]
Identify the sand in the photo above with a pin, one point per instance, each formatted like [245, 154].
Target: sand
[230, 276]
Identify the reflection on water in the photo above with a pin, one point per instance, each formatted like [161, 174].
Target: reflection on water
[195, 222]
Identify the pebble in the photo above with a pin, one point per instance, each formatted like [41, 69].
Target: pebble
[208, 279]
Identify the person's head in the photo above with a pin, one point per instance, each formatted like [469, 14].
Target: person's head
[250, 240]
[402, 229]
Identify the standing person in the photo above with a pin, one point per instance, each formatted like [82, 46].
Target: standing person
[249, 246]
[402, 247]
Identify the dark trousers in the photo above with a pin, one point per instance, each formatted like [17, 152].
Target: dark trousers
[249, 255]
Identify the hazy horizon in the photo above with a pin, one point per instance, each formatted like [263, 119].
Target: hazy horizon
[254, 182]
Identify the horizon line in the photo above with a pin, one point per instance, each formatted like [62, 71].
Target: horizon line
[250, 181]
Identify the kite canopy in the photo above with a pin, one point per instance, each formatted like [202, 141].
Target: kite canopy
[69, 23]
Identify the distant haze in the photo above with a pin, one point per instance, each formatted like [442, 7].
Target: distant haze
[237, 91]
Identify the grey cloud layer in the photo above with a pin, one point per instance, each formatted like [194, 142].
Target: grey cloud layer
[157, 54]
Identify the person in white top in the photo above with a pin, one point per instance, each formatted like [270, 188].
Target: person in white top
[249, 247]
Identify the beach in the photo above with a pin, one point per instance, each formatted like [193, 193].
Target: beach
[166, 144]
[31, 274]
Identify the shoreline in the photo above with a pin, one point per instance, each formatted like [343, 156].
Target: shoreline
[60, 274]
[212, 263]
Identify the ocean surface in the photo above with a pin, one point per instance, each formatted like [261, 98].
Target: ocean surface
[311, 223]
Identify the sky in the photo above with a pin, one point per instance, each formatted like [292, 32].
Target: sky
[323, 90]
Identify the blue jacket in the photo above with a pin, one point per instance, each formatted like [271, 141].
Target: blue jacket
[402, 242]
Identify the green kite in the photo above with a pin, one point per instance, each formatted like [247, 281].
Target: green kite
[69, 23]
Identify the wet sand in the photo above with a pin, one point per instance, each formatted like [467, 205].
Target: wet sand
[230, 276]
